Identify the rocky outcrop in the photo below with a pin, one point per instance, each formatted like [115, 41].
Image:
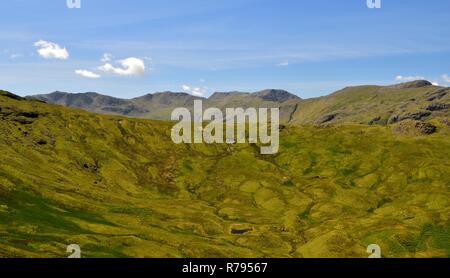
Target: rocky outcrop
[327, 118]
[420, 115]
[438, 107]
[413, 127]
[437, 94]
[375, 121]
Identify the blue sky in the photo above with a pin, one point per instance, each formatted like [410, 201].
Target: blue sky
[310, 48]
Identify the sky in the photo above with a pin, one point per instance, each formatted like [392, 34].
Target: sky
[130, 48]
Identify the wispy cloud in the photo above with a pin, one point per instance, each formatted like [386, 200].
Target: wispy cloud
[283, 64]
[106, 57]
[402, 78]
[196, 91]
[436, 81]
[50, 50]
[87, 74]
[446, 78]
[16, 56]
[206, 54]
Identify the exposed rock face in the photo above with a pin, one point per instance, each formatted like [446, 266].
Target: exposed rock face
[393, 119]
[416, 116]
[425, 128]
[32, 115]
[410, 116]
[326, 118]
[412, 127]
[374, 121]
[438, 107]
[437, 94]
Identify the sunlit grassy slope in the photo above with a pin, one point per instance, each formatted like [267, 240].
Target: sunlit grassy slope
[119, 187]
[376, 104]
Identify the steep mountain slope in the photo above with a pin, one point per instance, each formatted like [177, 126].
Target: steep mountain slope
[119, 187]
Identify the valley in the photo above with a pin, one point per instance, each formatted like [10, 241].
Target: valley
[118, 187]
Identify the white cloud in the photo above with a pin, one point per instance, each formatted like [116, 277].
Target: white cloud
[283, 64]
[196, 91]
[130, 66]
[87, 74]
[49, 50]
[434, 81]
[107, 57]
[446, 78]
[408, 78]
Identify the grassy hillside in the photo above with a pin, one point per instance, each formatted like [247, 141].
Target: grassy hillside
[119, 187]
[376, 104]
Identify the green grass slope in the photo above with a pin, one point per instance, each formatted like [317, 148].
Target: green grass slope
[119, 187]
[376, 104]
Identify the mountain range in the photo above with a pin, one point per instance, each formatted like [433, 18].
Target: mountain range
[416, 100]
[159, 106]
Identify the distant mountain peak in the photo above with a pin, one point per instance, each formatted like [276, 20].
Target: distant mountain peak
[276, 95]
[222, 95]
[412, 84]
[173, 94]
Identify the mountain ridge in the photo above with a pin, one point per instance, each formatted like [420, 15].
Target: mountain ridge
[369, 104]
[159, 105]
